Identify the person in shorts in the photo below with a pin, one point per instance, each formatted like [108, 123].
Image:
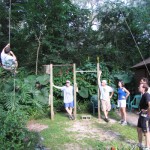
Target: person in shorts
[123, 94]
[106, 93]
[68, 98]
[143, 125]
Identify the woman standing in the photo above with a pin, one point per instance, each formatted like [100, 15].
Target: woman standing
[123, 94]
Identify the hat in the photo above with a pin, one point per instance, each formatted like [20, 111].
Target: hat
[104, 81]
[67, 81]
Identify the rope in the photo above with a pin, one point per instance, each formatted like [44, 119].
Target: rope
[134, 41]
[9, 18]
[14, 89]
[9, 43]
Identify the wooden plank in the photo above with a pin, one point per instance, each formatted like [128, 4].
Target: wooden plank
[98, 93]
[51, 91]
[63, 65]
[85, 71]
[75, 89]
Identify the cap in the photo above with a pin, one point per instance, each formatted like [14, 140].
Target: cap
[67, 81]
[104, 81]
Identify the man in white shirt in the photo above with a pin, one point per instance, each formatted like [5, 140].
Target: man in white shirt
[9, 60]
[105, 96]
[68, 98]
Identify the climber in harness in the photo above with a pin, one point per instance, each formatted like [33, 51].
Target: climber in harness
[9, 60]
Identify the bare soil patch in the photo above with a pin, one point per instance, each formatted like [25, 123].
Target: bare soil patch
[87, 129]
[37, 127]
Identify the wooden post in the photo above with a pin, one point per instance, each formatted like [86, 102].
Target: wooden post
[98, 93]
[51, 92]
[75, 88]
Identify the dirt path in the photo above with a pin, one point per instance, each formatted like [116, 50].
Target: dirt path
[132, 118]
[88, 129]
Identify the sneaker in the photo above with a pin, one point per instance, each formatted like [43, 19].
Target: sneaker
[145, 148]
[124, 123]
[140, 145]
[70, 117]
[106, 119]
[121, 121]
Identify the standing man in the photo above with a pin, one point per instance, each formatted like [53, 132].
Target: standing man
[106, 93]
[68, 98]
[143, 125]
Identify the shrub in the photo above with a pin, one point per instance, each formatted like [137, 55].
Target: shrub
[13, 132]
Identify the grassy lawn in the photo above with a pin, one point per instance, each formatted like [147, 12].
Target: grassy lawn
[65, 134]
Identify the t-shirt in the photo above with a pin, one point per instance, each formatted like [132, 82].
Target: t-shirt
[68, 93]
[148, 90]
[121, 94]
[144, 101]
[7, 60]
[105, 91]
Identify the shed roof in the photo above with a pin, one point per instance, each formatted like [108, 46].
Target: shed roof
[142, 63]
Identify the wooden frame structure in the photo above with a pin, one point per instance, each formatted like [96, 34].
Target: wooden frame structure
[49, 70]
[98, 92]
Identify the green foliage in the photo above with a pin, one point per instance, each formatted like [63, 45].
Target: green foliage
[83, 92]
[64, 32]
[126, 77]
[86, 82]
[13, 132]
[29, 94]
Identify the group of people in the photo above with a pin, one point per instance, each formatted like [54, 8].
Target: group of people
[9, 62]
[8, 59]
[143, 125]
[106, 93]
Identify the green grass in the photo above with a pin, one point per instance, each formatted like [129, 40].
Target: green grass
[57, 137]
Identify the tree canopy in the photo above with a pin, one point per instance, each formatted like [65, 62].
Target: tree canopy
[59, 31]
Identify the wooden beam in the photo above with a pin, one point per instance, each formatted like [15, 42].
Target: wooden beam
[85, 71]
[98, 93]
[75, 89]
[51, 92]
[65, 65]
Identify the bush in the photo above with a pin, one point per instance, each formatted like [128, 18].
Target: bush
[84, 107]
[13, 132]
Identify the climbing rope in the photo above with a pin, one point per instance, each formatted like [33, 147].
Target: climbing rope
[135, 43]
[133, 38]
[9, 18]
[9, 43]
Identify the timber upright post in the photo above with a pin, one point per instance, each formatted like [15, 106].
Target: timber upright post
[98, 92]
[75, 89]
[51, 92]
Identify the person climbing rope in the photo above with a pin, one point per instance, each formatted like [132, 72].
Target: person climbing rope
[9, 60]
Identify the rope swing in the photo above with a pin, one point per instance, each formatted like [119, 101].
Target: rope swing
[9, 43]
[8, 58]
[9, 19]
[135, 43]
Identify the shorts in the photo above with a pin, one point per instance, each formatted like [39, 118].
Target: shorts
[106, 106]
[144, 123]
[71, 104]
[122, 103]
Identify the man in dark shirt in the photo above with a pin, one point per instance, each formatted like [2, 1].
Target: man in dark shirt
[143, 125]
